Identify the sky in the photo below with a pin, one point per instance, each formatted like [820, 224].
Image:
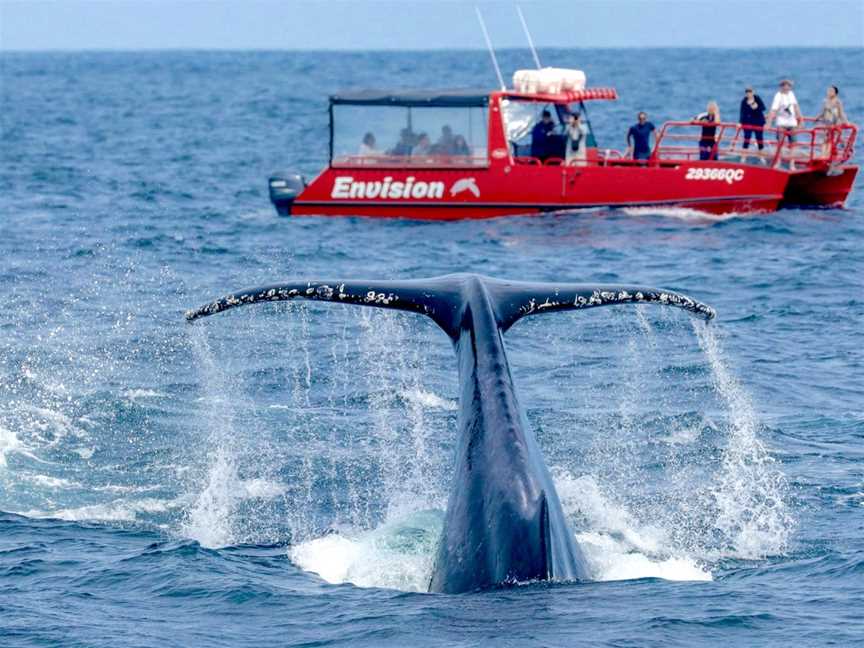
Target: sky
[424, 24]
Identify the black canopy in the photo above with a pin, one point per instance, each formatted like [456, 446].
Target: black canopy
[412, 98]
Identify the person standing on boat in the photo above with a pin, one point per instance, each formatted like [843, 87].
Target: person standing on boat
[708, 138]
[785, 109]
[577, 141]
[832, 113]
[752, 114]
[639, 137]
[540, 134]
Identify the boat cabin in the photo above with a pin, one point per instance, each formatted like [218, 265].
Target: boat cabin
[451, 128]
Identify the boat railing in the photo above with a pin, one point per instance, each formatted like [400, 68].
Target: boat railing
[409, 161]
[815, 144]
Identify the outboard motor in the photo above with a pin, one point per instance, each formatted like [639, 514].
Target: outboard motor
[284, 189]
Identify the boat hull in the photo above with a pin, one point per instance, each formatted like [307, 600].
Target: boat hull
[820, 188]
[472, 193]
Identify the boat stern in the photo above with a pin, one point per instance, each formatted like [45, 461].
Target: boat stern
[820, 188]
[284, 189]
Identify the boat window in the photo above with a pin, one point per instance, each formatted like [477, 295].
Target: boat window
[414, 136]
[521, 116]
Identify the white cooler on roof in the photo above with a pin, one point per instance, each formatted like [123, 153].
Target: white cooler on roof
[548, 80]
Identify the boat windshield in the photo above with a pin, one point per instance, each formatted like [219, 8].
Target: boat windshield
[376, 135]
[520, 117]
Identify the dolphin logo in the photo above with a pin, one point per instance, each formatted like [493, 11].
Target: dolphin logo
[465, 184]
[504, 522]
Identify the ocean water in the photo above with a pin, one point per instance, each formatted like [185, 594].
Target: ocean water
[277, 475]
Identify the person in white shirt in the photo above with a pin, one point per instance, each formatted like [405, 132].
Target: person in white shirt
[785, 109]
[577, 141]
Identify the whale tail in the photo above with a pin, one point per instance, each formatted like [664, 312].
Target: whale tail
[504, 521]
[443, 298]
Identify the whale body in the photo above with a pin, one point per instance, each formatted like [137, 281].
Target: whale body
[504, 523]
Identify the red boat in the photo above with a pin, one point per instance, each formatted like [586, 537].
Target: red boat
[481, 165]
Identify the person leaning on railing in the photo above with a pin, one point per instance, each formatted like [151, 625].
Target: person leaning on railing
[832, 108]
[832, 115]
[708, 138]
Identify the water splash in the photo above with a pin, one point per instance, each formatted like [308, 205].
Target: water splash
[660, 500]
[750, 495]
[213, 516]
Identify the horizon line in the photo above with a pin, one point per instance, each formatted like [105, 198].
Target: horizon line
[133, 50]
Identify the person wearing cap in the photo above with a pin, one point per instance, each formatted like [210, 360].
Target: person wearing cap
[787, 113]
[752, 113]
[785, 109]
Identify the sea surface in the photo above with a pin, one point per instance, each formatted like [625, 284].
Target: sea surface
[277, 475]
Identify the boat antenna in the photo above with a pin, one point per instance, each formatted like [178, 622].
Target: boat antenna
[489, 45]
[528, 36]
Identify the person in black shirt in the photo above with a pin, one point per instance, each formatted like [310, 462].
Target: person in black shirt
[640, 134]
[540, 145]
[752, 114]
[708, 138]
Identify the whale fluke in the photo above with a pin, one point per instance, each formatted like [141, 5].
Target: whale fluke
[504, 522]
[440, 297]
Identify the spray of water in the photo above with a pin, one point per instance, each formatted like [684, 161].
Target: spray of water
[210, 517]
[665, 494]
[753, 517]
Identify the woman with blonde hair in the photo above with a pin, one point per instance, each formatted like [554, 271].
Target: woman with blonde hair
[708, 139]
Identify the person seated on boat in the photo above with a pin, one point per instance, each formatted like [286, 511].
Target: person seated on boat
[423, 147]
[708, 138]
[752, 113]
[445, 143]
[577, 141]
[639, 137]
[460, 146]
[367, 146]
[405, 144]
[540, 136]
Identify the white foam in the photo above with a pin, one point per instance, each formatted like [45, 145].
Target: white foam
[9, 443]
[210, 519]
[56, 423]
[617, 546]
[396, 555]
[138, 394]
[612, 559]
[681, 213]
[116, 511]
[47, 481]
[399, 554]
[428, 399]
